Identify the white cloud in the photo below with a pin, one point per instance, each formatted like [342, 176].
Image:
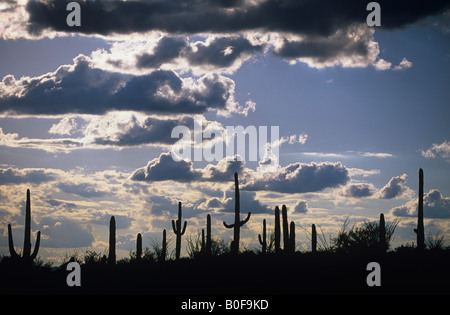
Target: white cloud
[404, 64]
[396, 188]
[435, 206]
[438, 150]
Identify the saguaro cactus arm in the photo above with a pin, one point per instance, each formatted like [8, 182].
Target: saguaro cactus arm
[36, 246]
[263, 240]
[12, 251]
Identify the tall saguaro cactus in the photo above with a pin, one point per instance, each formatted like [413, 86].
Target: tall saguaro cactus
[382, 236]
[178, 232]
[139, 246]
[420, 231]
[313, 238]
[112, 241]
[208, 243]
[237, 218]
[27, 256]
[277, 230]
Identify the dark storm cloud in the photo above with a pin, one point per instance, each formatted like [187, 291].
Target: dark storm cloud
[220, 52]
[189, 17]
[167, 49]
[325, 48]
[359, 190]
[82, 89]
[152, 131]
[302, 178]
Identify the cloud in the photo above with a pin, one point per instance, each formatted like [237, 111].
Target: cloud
[166, 168]
[64, 232]
[21, 176]
[86, 190]
[301, 207]
[224, 169]
[248, 203]
[82, 89]
[301, 178]
[435, 206]
[293, 178]
[305, 17]
[438, 150]
[225, 53]
[360, 190]
[395, 188]
[404, 64]
[322, 35]
[349, 47]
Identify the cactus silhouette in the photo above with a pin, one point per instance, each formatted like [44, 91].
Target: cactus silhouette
[383, 243]
[313, 238]
[112, 241]
[27, 256]
[292, 238]
[139, 246]
[420, 231]
[206, 246]
[162, 257]
[178, 231]
[288, 237]
[277, 230]
[237, 219]
[263, 240]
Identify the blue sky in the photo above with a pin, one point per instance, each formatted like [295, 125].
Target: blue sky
[86, 116]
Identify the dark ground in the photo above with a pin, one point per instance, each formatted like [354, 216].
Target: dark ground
[408, 272]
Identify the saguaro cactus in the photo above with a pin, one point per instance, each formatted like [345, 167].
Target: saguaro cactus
[112, 241]
[208, 243]
[288, 237]
[382, 236]
[139, 246]
[420, 231]
[277, 230]
[237, 218]
[27, 256]
[292, 237]
[263, 240]
[313, 238]
[178, 232]
[162, 257]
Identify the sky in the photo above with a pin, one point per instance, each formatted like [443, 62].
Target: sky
[87, 115]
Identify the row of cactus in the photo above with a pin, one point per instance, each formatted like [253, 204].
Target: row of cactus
[288, 232]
